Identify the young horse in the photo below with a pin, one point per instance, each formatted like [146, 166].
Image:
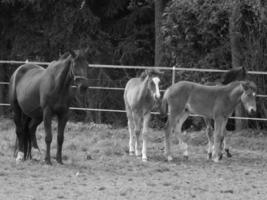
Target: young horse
[37, 94]
[212, 102]
[236, 74]
[140, 95]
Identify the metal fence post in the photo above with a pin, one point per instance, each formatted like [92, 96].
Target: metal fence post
[173, 74]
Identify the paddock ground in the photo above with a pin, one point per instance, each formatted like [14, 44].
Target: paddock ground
[97, 166]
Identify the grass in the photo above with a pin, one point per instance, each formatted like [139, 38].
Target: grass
[97, 163]
[89, 141]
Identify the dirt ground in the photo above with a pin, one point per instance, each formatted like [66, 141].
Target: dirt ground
[97, 166]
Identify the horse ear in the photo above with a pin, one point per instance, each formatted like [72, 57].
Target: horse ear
[144, 74]
[159, 72]
[244, 70]
[73, 54]
[147, 72]
[245, 85]
[85, 52]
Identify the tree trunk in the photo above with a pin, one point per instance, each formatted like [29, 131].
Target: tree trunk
[263, 38]
[263, 56]
[237, 51]
[159, 8]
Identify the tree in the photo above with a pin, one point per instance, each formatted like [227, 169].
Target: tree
[159, 8]
[116, 32]
[236, 39]
[262, 57]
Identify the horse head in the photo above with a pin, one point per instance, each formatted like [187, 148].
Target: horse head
[248, 97]
[236, 74]
[153, 77]
[79, 69]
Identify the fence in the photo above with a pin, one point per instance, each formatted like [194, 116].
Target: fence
[173, 69]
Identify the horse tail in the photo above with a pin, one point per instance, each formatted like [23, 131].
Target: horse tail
[27, 142]
[28, 147]
[21, 120]
[12, 90]
[12, 86]
[164, 106]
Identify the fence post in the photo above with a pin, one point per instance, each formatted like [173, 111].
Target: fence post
[173, 74]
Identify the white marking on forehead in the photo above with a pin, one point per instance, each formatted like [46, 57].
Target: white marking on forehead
[156, 80]
[253, 94]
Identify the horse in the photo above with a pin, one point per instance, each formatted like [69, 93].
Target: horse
[236, 74]
[212, 102]
[140, 95]
[37, 94]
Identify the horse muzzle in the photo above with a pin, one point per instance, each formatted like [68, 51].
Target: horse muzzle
[252, 110]
[156, 97]
[83, 88]
[83, 85]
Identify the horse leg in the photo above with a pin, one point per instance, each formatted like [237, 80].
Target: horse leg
[223, 140]
[209, 133]
[48, 133]
[24, 141]
[225, 145]
[36, 154]
[27, 138]
[218, 138]
[62, 121]
[19, 147]
[183, 145]
[169, 129]
[137, 131]
[16, 147]
[131, 132]
[144, 135]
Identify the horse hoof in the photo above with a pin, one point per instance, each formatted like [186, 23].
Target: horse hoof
[59, 159]
[48, 162]
[228, 154]
[36, 154]
[209, 156]
[20, 157]
[131, 153]
[60, 162]
[185, 157]
[138, 154]
[221, 156]
[216, 159]
[18, 161]
[170, 158]
[144, 159]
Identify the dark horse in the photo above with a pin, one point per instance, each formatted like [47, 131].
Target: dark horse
[37, 94]
[236, 74]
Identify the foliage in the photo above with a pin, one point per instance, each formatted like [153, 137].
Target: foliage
[196, 34]
[117, 32]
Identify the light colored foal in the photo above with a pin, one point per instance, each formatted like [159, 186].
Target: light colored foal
[140, 96]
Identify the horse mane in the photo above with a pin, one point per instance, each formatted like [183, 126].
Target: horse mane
[150, 72]
[249, 84]
[64, 56]
[236, 74]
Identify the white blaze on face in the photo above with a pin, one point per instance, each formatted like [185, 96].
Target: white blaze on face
[249, 102]
[156, 80]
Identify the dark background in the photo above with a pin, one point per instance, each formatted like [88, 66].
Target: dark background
[220, 34]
